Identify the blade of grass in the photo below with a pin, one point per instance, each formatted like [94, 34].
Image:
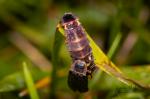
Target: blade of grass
[115, 33]
[114, 45]
[103, 62]
[110, 54]
[29, 82]
[55, 58]
[40, 84]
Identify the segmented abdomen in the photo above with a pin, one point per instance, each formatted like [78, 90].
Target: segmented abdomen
[77, 42]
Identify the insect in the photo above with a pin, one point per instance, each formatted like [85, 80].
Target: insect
[80, 51]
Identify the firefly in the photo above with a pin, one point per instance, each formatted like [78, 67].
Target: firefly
[80, 51]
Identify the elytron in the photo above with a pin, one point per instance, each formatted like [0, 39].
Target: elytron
[80, 51]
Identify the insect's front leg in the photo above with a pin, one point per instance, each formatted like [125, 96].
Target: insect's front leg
[90, 69]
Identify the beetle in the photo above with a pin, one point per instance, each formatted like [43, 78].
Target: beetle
[80, 51]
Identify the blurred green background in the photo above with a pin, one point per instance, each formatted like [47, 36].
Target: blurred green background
[27, 29]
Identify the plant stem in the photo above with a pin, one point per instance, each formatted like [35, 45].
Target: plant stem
[29, 81]
[114, 45]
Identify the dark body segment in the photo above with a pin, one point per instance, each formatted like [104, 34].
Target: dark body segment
[77, 83]
[80, 52]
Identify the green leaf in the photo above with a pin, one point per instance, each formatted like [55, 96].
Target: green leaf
[29, 82]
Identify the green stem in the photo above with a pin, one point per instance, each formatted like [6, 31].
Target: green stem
[29, 81]
[114, 45]
[55, 60]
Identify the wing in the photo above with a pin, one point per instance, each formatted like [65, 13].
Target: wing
[77, 82]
